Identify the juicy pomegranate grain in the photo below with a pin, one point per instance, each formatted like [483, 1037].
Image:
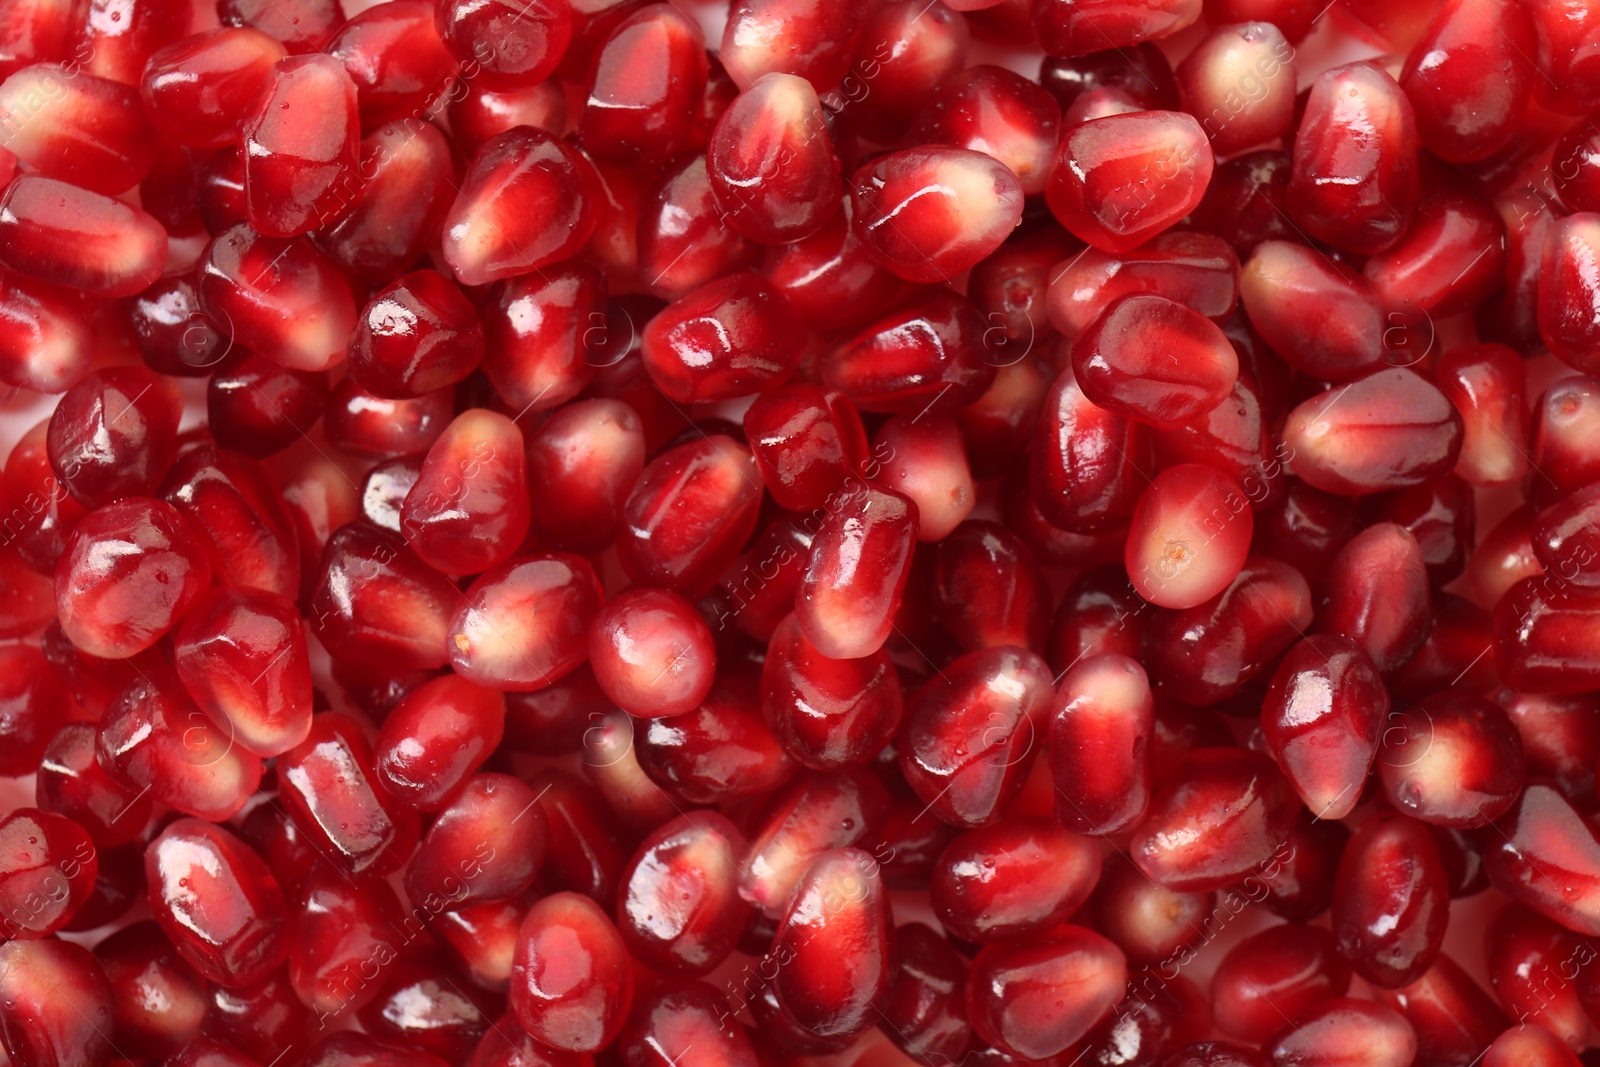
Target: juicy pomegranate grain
[56, 1006]
[838, 939]
[1100, 732]
[571, 984]
[82, 240]
[1035, 1001]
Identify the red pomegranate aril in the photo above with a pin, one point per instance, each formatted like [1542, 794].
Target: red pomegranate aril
[175, 338]
[683, 243]
[1454, 1019]
[1098, 104]
[1013, 881]
[468, 510]
[56, 1007]
[1189, 538]
[806, 440]
[829, 276]
[217, 901]
[1120, 180]
[435, 738]
[66, 124]
[424, 1008]
[1528, 960]
[1324, 319]
[1240, 82]
[1453, 760]
[757, 592]
[525, 624]
[266, 1017]
[114, 434]
[1388, 429]
[931, 212]
[684, 1023]
[1068, 29]
[814, 813]
[679, 909]
[1322, 720]
[196, 89]
[1378, 596]
[1545, 637]
[586, 457]
[644, 88]
[302, 25]
[1088, 466]
[1567, 296]
[482, 938]
[1274, 975]
[1564, 538]
[970, 735]
[510, 46]
[1440, 515]
[856, 571]
[375, 603]
[1300, 887]
[485, 845]
[79, 239]
[301, 142]
[329, 787]
[1530, 1046]
[545, 334]
[1141, 71]
[348, 1048]
[1098, 613]
[1547, 858]
[652, 653]
[1468, 77]
[586, 847]
[1147, 922]
[527, 200]
[483, 112]
[267, 828]
[1197, 270]
[1355, 178]
[1562, 449]
[1225, 813]
[340, 948]
[571, 984]
[1244, 204]
[691, 511]
[927, 356]
[278, 297]
[408, 183]
[25, 597]
[48, 341]
[1391, 901]
[159, 1000]
[240, 518]
[1562, 38]
[837, 938]
[242, 656]
[1034, 1001]
[257, 406]
[398, 63]
[48, 867]
[721, 750]
[1347, 1032]
[1152, 359]
[925, 1011]
[989, 589]
[925, 461]
[728, 339]
[1503, 557]
[810, 39]
[1422, 274]
[1100, 732]
[71, 782]
[905, 53]
[1560, 740]
[828, 713]
[118, 602]
[415, 336]
[771, 163]
[992, 110]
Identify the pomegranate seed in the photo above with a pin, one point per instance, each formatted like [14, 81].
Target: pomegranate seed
[482, 939]
[266, 1017]
[1452, 760]
[682, 241]
[679, 910]
[1075, 481]
[80, 239]
[611, 762]
[990, 590]
[813, 814]
[1210, 652]
[41, 29]
[1066, 29]
[1545, 637]
[423, 1007]
[71, 782]
[644, 87]
[396, 59]
[1382, 565]
[330, 788]
[670, 1023]
[1197, 270]
[587, 456]
[159, 1001]
[1393, 429]
[1241, 799]
[805, 440]
[1344, 1030]
[1443, 88]
[240, 519]
[408, 180]
[196, 89]
[1116, 363]
[277, 296]
[925, 357]
[586, 848]
[415, 336]
[1354, 183]
[690, 511]
[829, 276]
[969, 736]
[49, 868]
[1422, 274]
[217, 902]
[257, 406]
[1391, 901]
[468, 510]
[652, 653]
[571, 984]
[812, 40]
[1322, 718]
[1326, 319]
[1527, 955]
[1098, 613]
[1099, 741]
[86, 131]
[1560, 740]
[376, 603]
[302, 25]
[48, 340]
[301, 142]
[1012, 881]
[483, 112]
[906, 53]
[1148, 923]
[1276, 975]
[1560, 40]
[992, 110]
[1454, 1019]
[340, 948]
[175, 337]
[1530, 1045]
[1035, 1001]
[771, 168]
[543, 331]
[114, 434]
[827, 713]
[1140, 71]
[837, 939]
[525, 623]
[731, 338]
[929, 213]
[1120, 180]
[1253, 57]
[434, 739]
[56, 1006]
[1190, 536]
[926, 462]
[925, 1011]
[856, 571]
[720, 750]
[1545, 838]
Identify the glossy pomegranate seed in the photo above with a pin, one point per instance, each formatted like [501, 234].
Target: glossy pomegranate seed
[71, 782]
[197, 89]
[927, 356]
[483, 112]
[813, 814]
[257, 406]
[1065, 29]
[240, 517]
[992, 110]
[301, 143]
[829, 276]
[1099, 612]
[731, 338]
[48, 341]
[970, 735]
[856, 571]
[682, 241]
[690, 511]
[1528, 955]
[587, 456]
[84, 130]
[1566, 296]
[1544, 636]
[175, 337]
[415, 336]
[837, 937]
[1323, 318]
[242, 656]
[1422, 274]
[1354, 183]
[926, 461]
[329, 787]
[652, 653]
[1463, 105]
[1344, 1030]
[341, 948]
[646, 82]
[810, 39]
[525, 623]
[721, 750]
[1275, 975]
[571, 985]
[1121, 361]
[1140, 71]
[266, 1017]
[1099, 743]
[1189, 538]
[679, 909]
[929, 213]
[828, 713]
[544, 332]
[114, 434]
[1453, 760]
[1547, 858]
[1209, 652]
[409, 180]
[771, 164]
[1387, 429]
[990, 590]
[684, 1023]
[482, 938]
[1240, 83]
[508, 45]
[1147, 922]
[434, 738]
[805, 440]
[425, 1008]
[79, 239]
[469, 507]
[1391, 901]
[904, 55]
[1531, 1045]
[1242, 801]
[925, 1012]
[1088, 464]
[1035, 1001]
[56, 1006]
[160, 1002]
[586, 848]
[611, 762]
[217, 901]
[376, 603]
[1194, 269]
[1012, 881]
[302, 25]
[1559, 740]
[1378, 595]
[1120, 180]
[48, 870]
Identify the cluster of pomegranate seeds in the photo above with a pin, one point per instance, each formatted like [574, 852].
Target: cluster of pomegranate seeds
[901, 533]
